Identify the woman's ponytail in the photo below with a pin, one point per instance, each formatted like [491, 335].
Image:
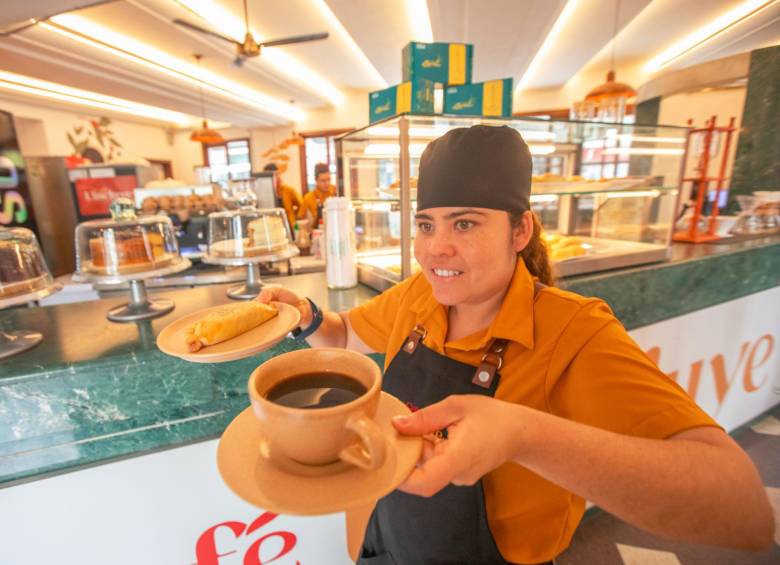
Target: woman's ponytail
[535, 253]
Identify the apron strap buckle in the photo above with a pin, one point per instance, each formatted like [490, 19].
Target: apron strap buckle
[490, 364]
[413, 340]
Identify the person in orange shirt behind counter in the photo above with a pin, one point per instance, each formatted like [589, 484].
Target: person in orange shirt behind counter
[287, 196]
[541, 398]
[314, 200]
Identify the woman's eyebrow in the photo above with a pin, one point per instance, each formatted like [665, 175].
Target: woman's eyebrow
[464, 212]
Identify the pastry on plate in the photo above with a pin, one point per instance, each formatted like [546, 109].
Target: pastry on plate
[227, 322]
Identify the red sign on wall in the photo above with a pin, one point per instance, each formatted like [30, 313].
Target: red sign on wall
[96, 194]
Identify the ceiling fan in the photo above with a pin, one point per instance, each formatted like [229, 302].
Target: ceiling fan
[250, 47]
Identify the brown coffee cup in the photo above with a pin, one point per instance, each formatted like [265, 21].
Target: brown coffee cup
[296, 437]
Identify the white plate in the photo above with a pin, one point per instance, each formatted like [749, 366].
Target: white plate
[172, 339]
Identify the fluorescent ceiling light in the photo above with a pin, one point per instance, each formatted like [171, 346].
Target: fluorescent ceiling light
[595, 143]
[54, 91]
[559, 24]
[641, 151]
[632, 194]
[383, 131]
[541, 149]
[536, 135]
[706, 33]
[416, 132]
[335, 24]
[436, 131]
[393, 149]
[544, 197]
[628, 138]
[90, 33]
[419, 20]
[285, 64]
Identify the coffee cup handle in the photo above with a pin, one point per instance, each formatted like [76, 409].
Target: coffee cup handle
[370, 452]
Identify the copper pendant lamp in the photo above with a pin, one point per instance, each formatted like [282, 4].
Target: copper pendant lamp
[204, 134]
[612, 100]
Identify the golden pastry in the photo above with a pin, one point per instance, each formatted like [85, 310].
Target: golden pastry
[396, 269]
[228, 322]
[563, 246]
[567, 252]
[569, 241]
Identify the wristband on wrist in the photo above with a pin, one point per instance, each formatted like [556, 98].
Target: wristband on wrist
[316, 322]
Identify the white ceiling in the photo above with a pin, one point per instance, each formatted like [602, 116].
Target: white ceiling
[364, 48]
[15, 13]
[671, 20]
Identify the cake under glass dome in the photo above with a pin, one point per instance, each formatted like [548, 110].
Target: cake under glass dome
[23, 269]
[125, 246]
[248, 232]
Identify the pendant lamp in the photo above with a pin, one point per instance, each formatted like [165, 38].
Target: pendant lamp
[611, 101]
[204, 134]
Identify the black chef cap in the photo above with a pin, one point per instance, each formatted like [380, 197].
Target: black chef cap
[476, 167]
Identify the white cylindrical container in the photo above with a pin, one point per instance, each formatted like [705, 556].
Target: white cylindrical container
[340, 253]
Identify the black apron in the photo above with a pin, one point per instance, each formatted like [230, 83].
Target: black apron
[451, 527]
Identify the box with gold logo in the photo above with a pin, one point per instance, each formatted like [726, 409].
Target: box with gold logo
[414, 96]
[490, 99]
[445, 63]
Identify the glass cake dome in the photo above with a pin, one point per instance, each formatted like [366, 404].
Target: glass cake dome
[23, 269]
[125, 244]
[248, 232]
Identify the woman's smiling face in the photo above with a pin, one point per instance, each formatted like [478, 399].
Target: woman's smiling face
[467, 254]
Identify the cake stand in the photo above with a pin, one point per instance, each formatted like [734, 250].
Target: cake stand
[140, 306]
[253, 285]
[14, 342]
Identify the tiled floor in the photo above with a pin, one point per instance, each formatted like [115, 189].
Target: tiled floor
[604, 540]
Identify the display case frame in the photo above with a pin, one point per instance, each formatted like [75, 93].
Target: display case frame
[647, 159]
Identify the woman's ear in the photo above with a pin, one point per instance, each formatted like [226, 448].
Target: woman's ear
[523, 231]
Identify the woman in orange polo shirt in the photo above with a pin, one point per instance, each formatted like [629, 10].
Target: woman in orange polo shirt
[544, 399]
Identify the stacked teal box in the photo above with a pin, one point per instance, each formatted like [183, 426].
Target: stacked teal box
[429, 66]
[445, 63]
[414, 96]
[490, 99]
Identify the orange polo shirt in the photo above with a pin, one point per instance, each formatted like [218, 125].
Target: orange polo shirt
[313, 199]
[569, 356]
[291, 202]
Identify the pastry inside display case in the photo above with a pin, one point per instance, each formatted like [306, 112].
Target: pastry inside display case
[122, 247]
[248, 232]
[564, 247]
[181, 205]
[22, 266]
[548, 183]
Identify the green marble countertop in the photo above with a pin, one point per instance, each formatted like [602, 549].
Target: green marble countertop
[95, 391]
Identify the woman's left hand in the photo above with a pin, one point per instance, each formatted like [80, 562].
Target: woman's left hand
[482, 434]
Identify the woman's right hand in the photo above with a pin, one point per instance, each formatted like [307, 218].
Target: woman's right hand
[274, 293]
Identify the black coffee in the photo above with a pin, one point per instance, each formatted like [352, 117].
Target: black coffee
[316, 390]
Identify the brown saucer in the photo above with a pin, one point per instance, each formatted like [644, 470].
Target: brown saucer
[172, 338]
[253, 478]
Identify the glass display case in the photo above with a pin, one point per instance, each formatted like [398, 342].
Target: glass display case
[606, 194]
[22, 268]
[125, 246]
[248, 232]
[24, 277]
[129, 249]
[248, 236]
